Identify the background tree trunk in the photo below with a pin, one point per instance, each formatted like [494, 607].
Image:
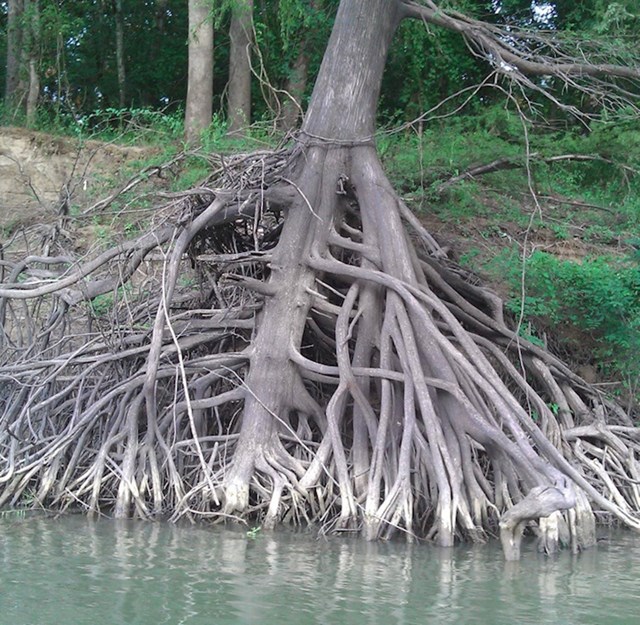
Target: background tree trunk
[241, 35]
[200, 81]
[161, 15]
[296, 85]
[122, 97]
[15, 52]
[32, 41]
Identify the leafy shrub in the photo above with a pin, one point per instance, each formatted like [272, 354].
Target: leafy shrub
[599, 298]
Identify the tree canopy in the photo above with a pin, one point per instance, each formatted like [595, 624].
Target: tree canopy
[76, 50]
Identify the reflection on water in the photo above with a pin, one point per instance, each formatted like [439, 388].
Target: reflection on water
[74, 571]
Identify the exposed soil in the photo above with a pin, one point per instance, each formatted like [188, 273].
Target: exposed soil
[39, 172]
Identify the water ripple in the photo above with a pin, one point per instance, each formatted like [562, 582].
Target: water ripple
[125, 573]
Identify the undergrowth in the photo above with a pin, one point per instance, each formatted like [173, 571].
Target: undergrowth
[587, 209]
[594, 305]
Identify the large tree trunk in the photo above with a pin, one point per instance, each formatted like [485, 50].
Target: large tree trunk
[338, 128]
[239, 87]
[199, 104]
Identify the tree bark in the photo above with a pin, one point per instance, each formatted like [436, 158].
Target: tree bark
[199, 105]
[15, 51]
[120, 61]
[345, 96]
[32, 48]
[239, 88]
[341, 116]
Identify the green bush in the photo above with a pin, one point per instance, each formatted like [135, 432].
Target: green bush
[599, 298]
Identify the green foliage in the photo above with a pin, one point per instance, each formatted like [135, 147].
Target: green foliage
[424, 67]
[258, 136]
[102, 304]
[599, 297]
[141, 126]
[618, 18]
[3, 47]
[283, 33]
[298, 18]
[133, 124]
[192, 173]
[418, 163]
[78, 67]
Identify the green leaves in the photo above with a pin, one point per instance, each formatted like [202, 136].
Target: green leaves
[597, 299]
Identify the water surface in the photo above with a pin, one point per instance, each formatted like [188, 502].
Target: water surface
[74, 571]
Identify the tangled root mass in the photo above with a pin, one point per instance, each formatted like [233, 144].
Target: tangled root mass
[288, 343]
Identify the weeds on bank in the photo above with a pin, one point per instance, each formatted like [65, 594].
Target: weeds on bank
[592, 305]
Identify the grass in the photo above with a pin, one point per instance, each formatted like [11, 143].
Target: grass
[579, 233]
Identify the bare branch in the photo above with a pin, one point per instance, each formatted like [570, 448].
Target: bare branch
[518, 53]
[501, 164]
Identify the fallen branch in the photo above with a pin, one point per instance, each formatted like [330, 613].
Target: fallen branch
[503, 164]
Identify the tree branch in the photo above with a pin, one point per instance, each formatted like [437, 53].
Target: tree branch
[518, 53]
[502, 164]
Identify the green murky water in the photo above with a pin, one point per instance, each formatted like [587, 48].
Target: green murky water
[73, 571]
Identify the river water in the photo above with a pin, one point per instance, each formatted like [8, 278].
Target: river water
[73, 571]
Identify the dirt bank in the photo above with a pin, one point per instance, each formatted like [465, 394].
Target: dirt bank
[39, 172]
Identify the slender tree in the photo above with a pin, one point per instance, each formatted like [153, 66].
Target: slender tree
[32, 14]
[15, 51]
[120, 61]
[161, 15]
[333, 368]
[199, 103]
[239, 87]
[23, 57]
[294, 91]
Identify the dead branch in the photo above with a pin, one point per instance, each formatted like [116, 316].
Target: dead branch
[502, 164]
[516, 54]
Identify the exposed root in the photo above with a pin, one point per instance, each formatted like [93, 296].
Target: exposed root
[289, 344]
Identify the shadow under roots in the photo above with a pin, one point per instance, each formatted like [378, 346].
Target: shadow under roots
[325, 364]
